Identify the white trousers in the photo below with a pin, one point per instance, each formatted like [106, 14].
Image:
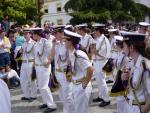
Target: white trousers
[43, 76]
[5, 101]
[81, 98]
[28, 86]
[100, 79]
[65, 93]
[129, 108]
[121, 103]
[132, 108]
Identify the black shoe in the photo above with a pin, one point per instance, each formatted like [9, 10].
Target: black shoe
[104, 103]
[48, 110]
[43, 106]
[98, 99]
[109, 81]
[24, 98]
[32, 99]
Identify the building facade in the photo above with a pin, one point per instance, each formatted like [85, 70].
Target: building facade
[54, 12]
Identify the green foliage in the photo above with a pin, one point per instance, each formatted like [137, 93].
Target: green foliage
[20, 11]
[88, 16]
[103, 10]
[121, 16]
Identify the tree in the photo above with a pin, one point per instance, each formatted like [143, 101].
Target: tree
[103, 10]
[20, 11]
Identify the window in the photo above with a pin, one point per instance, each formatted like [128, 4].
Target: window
[59, 21]
[58, 9]
[45, 7]
[58, 6]
[46, 11]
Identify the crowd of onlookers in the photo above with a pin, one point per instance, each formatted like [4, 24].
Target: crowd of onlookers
[11, 40]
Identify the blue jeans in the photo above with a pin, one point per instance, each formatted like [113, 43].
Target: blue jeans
[5, 58]
[14, 82]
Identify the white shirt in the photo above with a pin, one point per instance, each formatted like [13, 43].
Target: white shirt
[86, 41]
[81, 64]
[140, 83]
[42, 50]
[103, 47]
[12, 73]
[60, 55]
[3, 75]
[5, 101]
[113, 42]
[113, 48]
[51, 37]
[119, 61]
[50, 40]
[28, 50]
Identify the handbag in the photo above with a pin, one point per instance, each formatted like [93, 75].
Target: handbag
[118, 88]
[53, 83]
[33, 75]
[108, 67]
[68, 73]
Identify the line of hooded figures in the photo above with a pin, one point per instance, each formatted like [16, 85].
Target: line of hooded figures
[70, 58]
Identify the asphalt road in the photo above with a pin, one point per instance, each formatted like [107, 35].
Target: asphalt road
[19, 106]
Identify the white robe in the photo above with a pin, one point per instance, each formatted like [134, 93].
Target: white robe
[5, 102]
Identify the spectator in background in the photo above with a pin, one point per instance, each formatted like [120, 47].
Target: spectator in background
[4, 47]
[17, 29]
[13, 26]
[46, 26]
[19, 42]
[12, 77]
[2, 68]
[5, 23]
[11, 37]
[12, 49]
[32, 24]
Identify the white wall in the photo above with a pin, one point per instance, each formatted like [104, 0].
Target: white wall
[53, 15]
[53, 18]
[52, 6]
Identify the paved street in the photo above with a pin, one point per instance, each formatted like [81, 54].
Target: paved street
[19, 106]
